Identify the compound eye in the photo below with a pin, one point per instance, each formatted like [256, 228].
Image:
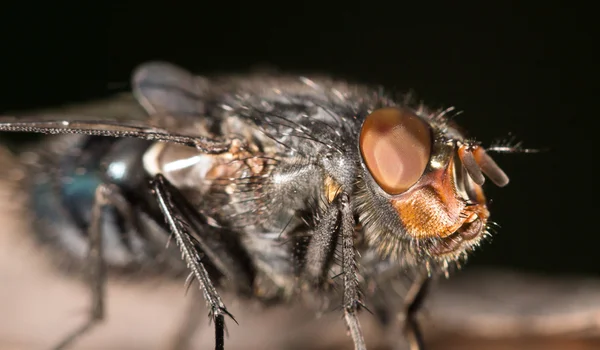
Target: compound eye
[395, 145]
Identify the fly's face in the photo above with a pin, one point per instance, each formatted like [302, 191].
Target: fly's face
[421, 198]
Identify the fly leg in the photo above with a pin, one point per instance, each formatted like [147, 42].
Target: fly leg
[105, 195]
[338, 220]
[413, 303]
[349, 269]
[181, 224]
[320, 251]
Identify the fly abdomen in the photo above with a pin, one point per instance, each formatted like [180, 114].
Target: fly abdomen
[63, 189]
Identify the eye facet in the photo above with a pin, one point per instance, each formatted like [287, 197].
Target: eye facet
[395, 145]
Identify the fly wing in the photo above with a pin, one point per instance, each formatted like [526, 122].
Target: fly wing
[162, 88]
[174, 98]
[171, 101]
[112, 129]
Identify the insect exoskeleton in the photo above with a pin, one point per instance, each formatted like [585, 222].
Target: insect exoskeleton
[267, 183]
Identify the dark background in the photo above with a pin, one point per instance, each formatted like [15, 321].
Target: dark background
[512, 69]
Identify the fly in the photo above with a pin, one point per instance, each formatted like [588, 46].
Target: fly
[271, 186]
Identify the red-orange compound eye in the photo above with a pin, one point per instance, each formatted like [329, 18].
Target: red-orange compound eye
[395, 145]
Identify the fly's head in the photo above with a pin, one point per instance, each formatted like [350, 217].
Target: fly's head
[421, 198]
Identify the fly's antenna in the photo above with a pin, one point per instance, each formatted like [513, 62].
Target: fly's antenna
[477, 162]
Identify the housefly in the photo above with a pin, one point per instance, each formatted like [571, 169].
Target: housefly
[272, 186]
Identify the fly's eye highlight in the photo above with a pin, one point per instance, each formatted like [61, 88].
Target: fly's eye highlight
[395, 145]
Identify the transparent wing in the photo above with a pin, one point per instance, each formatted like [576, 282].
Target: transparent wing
[111, 128]
[176, 99]
[173, 111]
[164, 89]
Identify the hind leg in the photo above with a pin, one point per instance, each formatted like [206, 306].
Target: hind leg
[105, 195]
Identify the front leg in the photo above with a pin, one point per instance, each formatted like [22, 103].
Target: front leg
[349, 269]
[338, 220]
[320, 251]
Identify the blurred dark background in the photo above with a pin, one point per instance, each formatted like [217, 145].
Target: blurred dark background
[523, 70]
